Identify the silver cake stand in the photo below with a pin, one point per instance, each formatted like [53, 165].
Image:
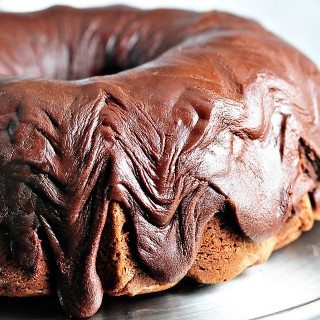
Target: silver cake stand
[286, 287]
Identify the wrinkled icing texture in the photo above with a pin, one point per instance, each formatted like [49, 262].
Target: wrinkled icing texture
[214, 123]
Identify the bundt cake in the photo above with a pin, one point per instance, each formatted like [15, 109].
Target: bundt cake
[141, 147]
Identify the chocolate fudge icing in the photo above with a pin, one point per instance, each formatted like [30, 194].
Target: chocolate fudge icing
[181, 115]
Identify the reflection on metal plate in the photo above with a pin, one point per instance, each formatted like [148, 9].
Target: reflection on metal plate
[286, 287]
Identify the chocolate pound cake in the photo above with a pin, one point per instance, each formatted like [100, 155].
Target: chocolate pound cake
[140, 147]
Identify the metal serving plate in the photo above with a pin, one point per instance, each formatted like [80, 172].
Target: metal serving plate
[286, 287]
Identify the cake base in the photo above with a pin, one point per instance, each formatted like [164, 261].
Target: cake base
[223, 255]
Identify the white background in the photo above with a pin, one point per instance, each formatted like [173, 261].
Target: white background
[298, 21]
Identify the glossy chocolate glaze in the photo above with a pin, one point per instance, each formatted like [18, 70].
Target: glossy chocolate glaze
[216, 121]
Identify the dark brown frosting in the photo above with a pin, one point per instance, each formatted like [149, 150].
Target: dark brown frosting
[216, 122]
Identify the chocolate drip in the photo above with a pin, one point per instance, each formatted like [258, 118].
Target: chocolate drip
[218, 119]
